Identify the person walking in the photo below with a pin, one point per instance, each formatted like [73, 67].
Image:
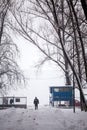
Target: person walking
[36, 102]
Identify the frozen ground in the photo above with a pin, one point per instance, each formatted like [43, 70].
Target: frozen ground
[45, 118]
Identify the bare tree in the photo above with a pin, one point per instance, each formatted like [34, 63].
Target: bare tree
[49, 43]
[9, 70]
[62, 28]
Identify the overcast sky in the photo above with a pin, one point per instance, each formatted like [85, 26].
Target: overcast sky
[38, 81]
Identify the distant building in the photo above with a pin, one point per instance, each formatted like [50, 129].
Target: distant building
[61, 95]
[20, 102]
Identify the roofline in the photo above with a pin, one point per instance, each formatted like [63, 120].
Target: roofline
[67, 86]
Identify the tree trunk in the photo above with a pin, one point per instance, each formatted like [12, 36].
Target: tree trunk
[84, 6]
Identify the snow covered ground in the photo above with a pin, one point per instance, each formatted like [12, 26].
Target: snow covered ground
[45, 118]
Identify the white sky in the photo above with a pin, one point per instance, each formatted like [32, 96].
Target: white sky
[38, 82]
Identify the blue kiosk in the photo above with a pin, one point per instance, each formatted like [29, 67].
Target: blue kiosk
[61, 93]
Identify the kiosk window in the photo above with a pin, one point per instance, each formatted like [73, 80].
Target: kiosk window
[17, 99]
[56, 89]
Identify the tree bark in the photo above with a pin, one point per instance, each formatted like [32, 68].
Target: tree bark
[84, 6]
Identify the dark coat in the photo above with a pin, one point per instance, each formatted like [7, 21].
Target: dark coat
[36, 101]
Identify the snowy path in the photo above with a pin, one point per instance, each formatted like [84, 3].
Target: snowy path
[45, 118]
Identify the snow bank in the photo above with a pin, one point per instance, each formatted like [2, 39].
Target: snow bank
[45, 118]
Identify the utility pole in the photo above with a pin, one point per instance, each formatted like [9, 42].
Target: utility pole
[73, 83]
